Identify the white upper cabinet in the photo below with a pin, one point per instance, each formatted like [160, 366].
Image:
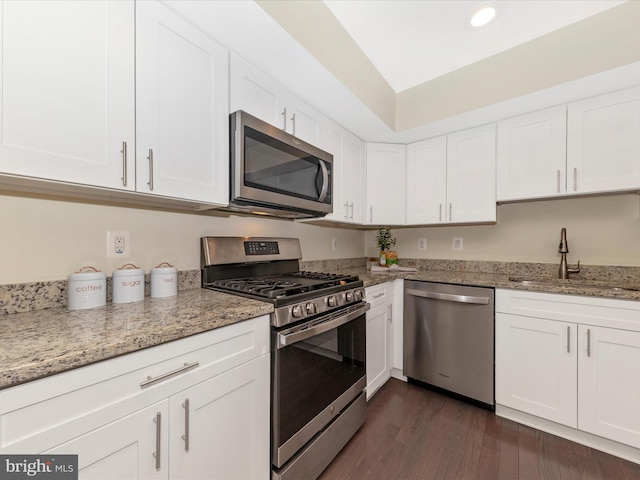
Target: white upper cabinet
[349, 174]
[181, 107]
[265, 98]
[451, 179]
[386, 183]
[67, 97]
[426, 181]
[603, 143]
[531, 159]
[471, 175]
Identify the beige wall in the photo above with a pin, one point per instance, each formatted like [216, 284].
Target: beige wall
[48, 239]
[601, 231]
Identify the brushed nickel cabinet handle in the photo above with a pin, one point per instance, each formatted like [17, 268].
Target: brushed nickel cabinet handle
[151, 380]
[371, 214]
[124, 163]
[351, 215]
[185, 437]
[440, 215]
[156, 454]
[450, 211]
[284, 115]
[346, 210]
[588, 342]
[293, 120]
[558, 180]
[575, 179]
[568, 339]
[390, 312]
[150, 158]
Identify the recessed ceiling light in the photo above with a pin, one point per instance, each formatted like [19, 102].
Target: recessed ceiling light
[482, 16]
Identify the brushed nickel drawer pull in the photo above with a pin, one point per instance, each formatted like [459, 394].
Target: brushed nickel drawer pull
[150, 158]
[568, 339]
[185, 437]
[156, 454]
[151, 380]
[124, 163]
[588, 342]
[575, 179]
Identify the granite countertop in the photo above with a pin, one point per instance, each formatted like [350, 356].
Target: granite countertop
[627, 290]
[40, 343]
[45, 342]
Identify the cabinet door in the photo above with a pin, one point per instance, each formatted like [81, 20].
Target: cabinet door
[426, 181]
[603, 143]
[386, 183]
[532, 151]
[134, 447]
[378, 362]
[182, 108]
[609, 389]
[265, 98]
[220, 427]
[536, 367]
[471, 175]
[348, 180]
[254, 92]
[68, 91]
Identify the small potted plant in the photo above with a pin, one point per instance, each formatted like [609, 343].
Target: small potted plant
[385, 241]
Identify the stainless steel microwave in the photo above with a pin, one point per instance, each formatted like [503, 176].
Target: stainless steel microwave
[275, 173]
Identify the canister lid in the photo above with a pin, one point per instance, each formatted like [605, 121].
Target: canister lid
[163, 268]
[87, 273]
[128, 270]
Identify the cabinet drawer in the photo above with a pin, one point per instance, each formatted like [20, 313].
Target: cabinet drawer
[116, 386]
[377, 294]
[605, 312]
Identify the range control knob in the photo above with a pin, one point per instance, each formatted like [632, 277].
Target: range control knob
[297, 311]
[358, 294]
[349, 296]
[332, 301]
[310, 308]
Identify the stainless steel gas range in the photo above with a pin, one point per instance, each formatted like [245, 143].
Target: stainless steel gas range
[318, 346]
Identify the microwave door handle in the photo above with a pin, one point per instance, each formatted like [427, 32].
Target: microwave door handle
[325, 181]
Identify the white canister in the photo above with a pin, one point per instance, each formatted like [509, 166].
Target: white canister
[128, 284]
[86, 288]
[164, 280]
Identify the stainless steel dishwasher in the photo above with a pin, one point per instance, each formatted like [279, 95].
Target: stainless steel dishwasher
[449, 338]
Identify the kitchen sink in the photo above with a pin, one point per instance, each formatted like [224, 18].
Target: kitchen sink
[560, 283]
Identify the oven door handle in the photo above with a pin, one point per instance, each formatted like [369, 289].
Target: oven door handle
[285, 339]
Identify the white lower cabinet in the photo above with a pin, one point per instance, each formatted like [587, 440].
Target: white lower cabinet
[125, 449]
[536, 367]
[573, 361]
[609, 383]
[195, 408]
[379, 336]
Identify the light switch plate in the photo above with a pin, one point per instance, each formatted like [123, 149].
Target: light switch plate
[458, 243]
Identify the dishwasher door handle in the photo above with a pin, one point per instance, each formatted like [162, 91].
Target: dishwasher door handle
[449, 297]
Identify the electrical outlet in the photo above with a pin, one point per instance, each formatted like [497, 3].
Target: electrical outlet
[422, 244]
[334, 244]
[457, 243]
[118, 244]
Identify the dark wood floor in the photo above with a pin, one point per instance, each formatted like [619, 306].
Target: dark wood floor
[414, 433]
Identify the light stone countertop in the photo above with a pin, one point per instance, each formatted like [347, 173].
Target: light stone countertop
[45, 342]
[629, 289]
[40, 343]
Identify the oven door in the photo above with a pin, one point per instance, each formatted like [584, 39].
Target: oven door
[318, 368]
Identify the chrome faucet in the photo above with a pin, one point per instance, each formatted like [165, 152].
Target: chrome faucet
[565, 270]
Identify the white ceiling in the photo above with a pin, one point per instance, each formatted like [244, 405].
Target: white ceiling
[413, 41]
[247, 29]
